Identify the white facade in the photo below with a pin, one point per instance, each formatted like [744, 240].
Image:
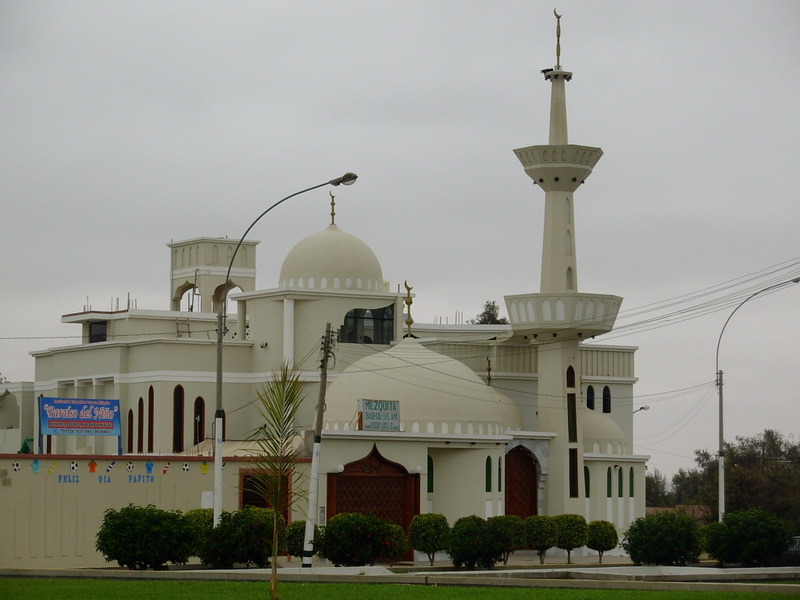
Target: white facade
[522, 418]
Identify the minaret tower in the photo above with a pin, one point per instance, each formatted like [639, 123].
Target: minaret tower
[557, 318]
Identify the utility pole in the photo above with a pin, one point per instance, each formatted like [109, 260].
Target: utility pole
[313, 486]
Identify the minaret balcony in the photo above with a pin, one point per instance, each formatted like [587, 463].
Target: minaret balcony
[562, 315]
[558, 168]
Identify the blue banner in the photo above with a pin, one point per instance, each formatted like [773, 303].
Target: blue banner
[76, 416]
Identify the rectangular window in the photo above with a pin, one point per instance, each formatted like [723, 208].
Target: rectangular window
[573, 472]
[572, 418]
[97, 331]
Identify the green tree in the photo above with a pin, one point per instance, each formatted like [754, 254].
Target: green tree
[490, 315]
[509, 532]
[667, 538]
[278, 450]
[540, 532]
[142, 537]
[602, 536]
[762, 471]
[571, 532]
[752, 538]
[655, 490]
[428, 533]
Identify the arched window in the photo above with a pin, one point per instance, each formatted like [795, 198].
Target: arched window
[177, 419]
[140, 427]
[619, 483]
[199, 421]
[151, 405]
[130, 431]
[609, 485]
[500, 474]
[606, 400]
[488, 474]
[590, 398]
[630, 482]
[570, 377]
[430, 474]
[587, 480]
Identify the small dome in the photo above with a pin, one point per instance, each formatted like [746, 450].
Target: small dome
[332, 259]
[437, 394]
[601, 434]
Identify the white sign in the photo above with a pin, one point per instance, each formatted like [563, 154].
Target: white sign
[379, 415]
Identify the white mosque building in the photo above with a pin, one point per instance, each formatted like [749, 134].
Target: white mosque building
[524, 418]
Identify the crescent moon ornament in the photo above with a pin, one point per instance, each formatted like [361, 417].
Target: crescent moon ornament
[558, 16]
[558, 39]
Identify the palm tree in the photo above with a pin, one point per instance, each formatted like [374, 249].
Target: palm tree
[278, 450]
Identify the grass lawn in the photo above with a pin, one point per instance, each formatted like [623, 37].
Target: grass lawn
[12, 588]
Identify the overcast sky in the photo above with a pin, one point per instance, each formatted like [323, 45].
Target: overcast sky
[128, 124]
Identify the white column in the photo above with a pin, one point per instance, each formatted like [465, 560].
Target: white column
[288, 330]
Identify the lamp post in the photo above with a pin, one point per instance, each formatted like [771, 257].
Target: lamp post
[641, 408]
[721, 453]
[346, 179]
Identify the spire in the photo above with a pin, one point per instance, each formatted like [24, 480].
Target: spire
[558, 94]
[408, 301]
[333, 208]
[558, 40]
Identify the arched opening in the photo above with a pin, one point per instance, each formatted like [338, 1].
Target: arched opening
[151, 405]
[522, 483]
[606, 400]
[587, 481]
[430, 474]
[488, 474]
[130, 431]
[199, 420]
[177, 419]
[570, 377]
[140, 427]
[590, 398]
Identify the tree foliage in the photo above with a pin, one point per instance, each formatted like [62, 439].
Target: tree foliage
[429, 533]
[752, 538]
[509, 532]
[244, 537]
[490, 315]
[540, 532]
[278, 450]
[145, 537]
[762, 471]
[656, 491]
[571, 532]
[602, 536]
[667, 538]
[354, 539]
[471, 544]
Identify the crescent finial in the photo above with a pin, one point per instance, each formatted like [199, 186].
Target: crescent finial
[558, 16]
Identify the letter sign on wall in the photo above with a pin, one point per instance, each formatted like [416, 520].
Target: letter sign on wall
[379, 415]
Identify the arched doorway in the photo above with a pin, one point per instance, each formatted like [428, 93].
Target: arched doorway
[377, 486]
[522, 483]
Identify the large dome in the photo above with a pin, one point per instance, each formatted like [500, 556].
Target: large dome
[437, 394]
[332, 259]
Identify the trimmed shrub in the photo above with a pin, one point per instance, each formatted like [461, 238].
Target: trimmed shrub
[472, 545]
[508, 532]
[668, 538]
[352, 539]
[243, 537]
[752, 538]
[145, 537]
[571, 533]
[394, 542]
[602, 536]
[540, 533]
[201, 521]
[296, 538]
[429, 533]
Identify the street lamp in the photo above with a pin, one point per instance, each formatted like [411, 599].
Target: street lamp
[721, 453]
[346, 179]
[641, 408]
